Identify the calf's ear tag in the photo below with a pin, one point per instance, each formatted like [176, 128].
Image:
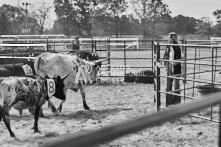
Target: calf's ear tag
[50, 87]
[27, 70]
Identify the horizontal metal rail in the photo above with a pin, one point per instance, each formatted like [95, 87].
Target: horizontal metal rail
[15, 45]
[131, 58]
[45, 36]
[190, 45]
[147, 121]
[189, 79]
[189, 97]
[194, 115]
[187, 62]
[10, 57]
[129, 50]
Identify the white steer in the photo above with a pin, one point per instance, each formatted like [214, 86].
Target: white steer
[80, 72]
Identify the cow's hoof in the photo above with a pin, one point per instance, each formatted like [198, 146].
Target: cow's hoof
[53, 109]
[57, 113]
[46, 117]
[86, 107]
[42, 115]
[12, 135]
[59, 109]
[37, 131]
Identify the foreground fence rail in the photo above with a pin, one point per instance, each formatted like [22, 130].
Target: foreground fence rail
[155, 119]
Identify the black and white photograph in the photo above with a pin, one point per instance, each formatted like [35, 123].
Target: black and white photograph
[110, 73]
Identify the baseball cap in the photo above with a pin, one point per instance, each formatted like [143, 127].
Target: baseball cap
[172, 33]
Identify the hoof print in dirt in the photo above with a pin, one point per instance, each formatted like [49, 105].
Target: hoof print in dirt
[51, 134]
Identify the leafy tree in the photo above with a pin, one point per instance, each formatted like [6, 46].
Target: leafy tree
[157, 9]
[12, 19]
[134, 25]
[76, 15]
[86, 10]
[102, 26]
[217, 29]
[16, 19]
[42, 15]
[204, 27]
[66, 14]
[148, 12]
[114, 9]
[184, 25]
[217, 14]
[163, 25]
[129, 25]
[5, 26]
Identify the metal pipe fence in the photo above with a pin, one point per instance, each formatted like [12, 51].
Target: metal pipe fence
[193, 60]
[200, 67]
[124, 58]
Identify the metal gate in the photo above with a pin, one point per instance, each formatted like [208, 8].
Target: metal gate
[200, 76]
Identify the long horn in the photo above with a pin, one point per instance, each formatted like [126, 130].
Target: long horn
[99, 61]
[65, 77]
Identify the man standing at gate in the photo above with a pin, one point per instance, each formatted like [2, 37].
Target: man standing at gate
[173, 69]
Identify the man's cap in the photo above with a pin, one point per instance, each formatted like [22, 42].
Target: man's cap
[172, 33]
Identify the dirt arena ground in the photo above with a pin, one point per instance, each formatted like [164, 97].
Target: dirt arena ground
[110, 104]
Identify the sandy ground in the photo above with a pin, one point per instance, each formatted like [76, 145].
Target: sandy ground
[109, 104]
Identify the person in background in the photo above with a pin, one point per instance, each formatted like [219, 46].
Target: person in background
[76, 45]
[173, 69]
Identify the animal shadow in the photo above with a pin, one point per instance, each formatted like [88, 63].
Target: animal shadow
[92, 114]
[23, 117]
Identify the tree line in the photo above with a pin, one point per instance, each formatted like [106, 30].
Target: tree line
[87, 18]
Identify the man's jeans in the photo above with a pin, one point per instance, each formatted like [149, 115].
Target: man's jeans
[170, 98]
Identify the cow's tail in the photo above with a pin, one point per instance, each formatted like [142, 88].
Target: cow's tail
[37, 65]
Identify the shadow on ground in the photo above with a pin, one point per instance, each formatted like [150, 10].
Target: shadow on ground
[92, 114]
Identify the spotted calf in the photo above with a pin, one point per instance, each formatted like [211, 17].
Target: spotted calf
[33, 92]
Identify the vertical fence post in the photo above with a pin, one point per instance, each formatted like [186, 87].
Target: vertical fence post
[109, 57]
[184, 57]
[95, 46]
[157, 74]
[92, 45]
[13, 55]
[47, 45]
[152, 46]
[194, 71]
[54, 45]
[215, 61]
[219, 141]
[125, 63]
[211, 110]
[184, 69]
